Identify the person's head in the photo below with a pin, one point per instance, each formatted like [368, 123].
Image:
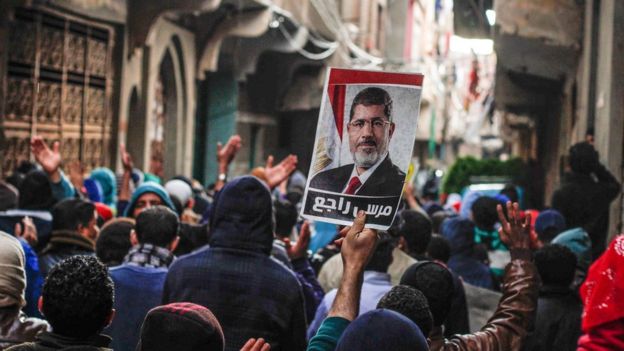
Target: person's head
[439, 248]
[242, 216]
[12, 272]
[285, 218]
[459, 232]
[414, 230]
[146, 195]
[182, 190]
[548, 224]
[436, 282]
[411, 303]
[113, 243]
[437, 219]
[8, 196]
[583, 158]
[556, 265]
[108, 183]
[382, 257]
[484, 212]
[181, 326]
[157, 226]
[511, 192]
[36, 192]
[589, 135]
[76, 215]
[77, 297]
[370, 126]
[382, 329]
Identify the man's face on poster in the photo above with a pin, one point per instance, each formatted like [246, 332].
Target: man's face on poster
[369, 131]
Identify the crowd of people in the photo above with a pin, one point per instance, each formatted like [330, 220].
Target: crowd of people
[133, 262]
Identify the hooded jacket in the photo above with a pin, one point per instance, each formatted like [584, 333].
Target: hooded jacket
[250, 293]
[459, 232]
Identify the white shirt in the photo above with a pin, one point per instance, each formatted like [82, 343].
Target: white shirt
[364, 176]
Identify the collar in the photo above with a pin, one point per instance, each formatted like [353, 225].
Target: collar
[148, 255]
[374, 277]
[68, 237]
[364, 176]
[62, 342]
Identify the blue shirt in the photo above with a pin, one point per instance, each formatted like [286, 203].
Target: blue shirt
[137, 290]
[374, 287]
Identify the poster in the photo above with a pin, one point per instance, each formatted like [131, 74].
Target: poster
[363, 146]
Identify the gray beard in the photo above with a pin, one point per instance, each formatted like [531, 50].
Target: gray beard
[365, 160]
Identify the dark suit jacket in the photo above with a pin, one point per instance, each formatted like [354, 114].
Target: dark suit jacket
[387, 180]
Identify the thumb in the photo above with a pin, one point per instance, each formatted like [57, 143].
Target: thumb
[358, 223]
[269, 162]
[219, 146]
[56, 147]
[18, 230]
[287, 243]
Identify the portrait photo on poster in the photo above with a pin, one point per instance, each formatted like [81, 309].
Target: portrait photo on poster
[364, 142]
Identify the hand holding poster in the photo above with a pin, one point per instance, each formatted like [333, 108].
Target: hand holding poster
[364, 142]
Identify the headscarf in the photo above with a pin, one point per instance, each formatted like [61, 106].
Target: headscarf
[603, 290]
[181, 326]
[382, 330]
[148, 187]
[12, 273]
[106, 178]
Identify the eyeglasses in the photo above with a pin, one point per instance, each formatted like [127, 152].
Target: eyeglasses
[376, 123]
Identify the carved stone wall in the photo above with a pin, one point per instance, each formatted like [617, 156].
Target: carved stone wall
[58, 84]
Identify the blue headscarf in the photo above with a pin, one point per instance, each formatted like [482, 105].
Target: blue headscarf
[106, 178]
[382, 330]
[148, 187]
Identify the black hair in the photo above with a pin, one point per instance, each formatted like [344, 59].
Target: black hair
[411, 303]
[157, 225]
[583, 158]
[415, 228]
[484, 212]
[382, 257]
[373, 96]
[25, 166]
[78, 297]
[285, 217]
[511, 192]
[35, 192]
[556, 265]
[439, 248]
[436, 282]
[113, 242]
[548, 234]
[71, 213]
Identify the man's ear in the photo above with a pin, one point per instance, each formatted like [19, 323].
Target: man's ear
[403, 245]
[40, 304]
[191, 203]
[174, 244]
[134, 240]
[392, 126]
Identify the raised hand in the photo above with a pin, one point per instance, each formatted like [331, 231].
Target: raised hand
[357, 243]
[225, 154]
[27, 231]
[514, 232]
[256, 345]
[298, 250]
[49, 159]
[126, 159]
[277, 174]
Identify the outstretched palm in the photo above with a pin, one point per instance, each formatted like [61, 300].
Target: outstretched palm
[49, 159]
[279, 173]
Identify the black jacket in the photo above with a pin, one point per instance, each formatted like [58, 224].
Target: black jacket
[47, 341]
[558, 321]
[251, 294]
[584, 200]
[387, 180]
